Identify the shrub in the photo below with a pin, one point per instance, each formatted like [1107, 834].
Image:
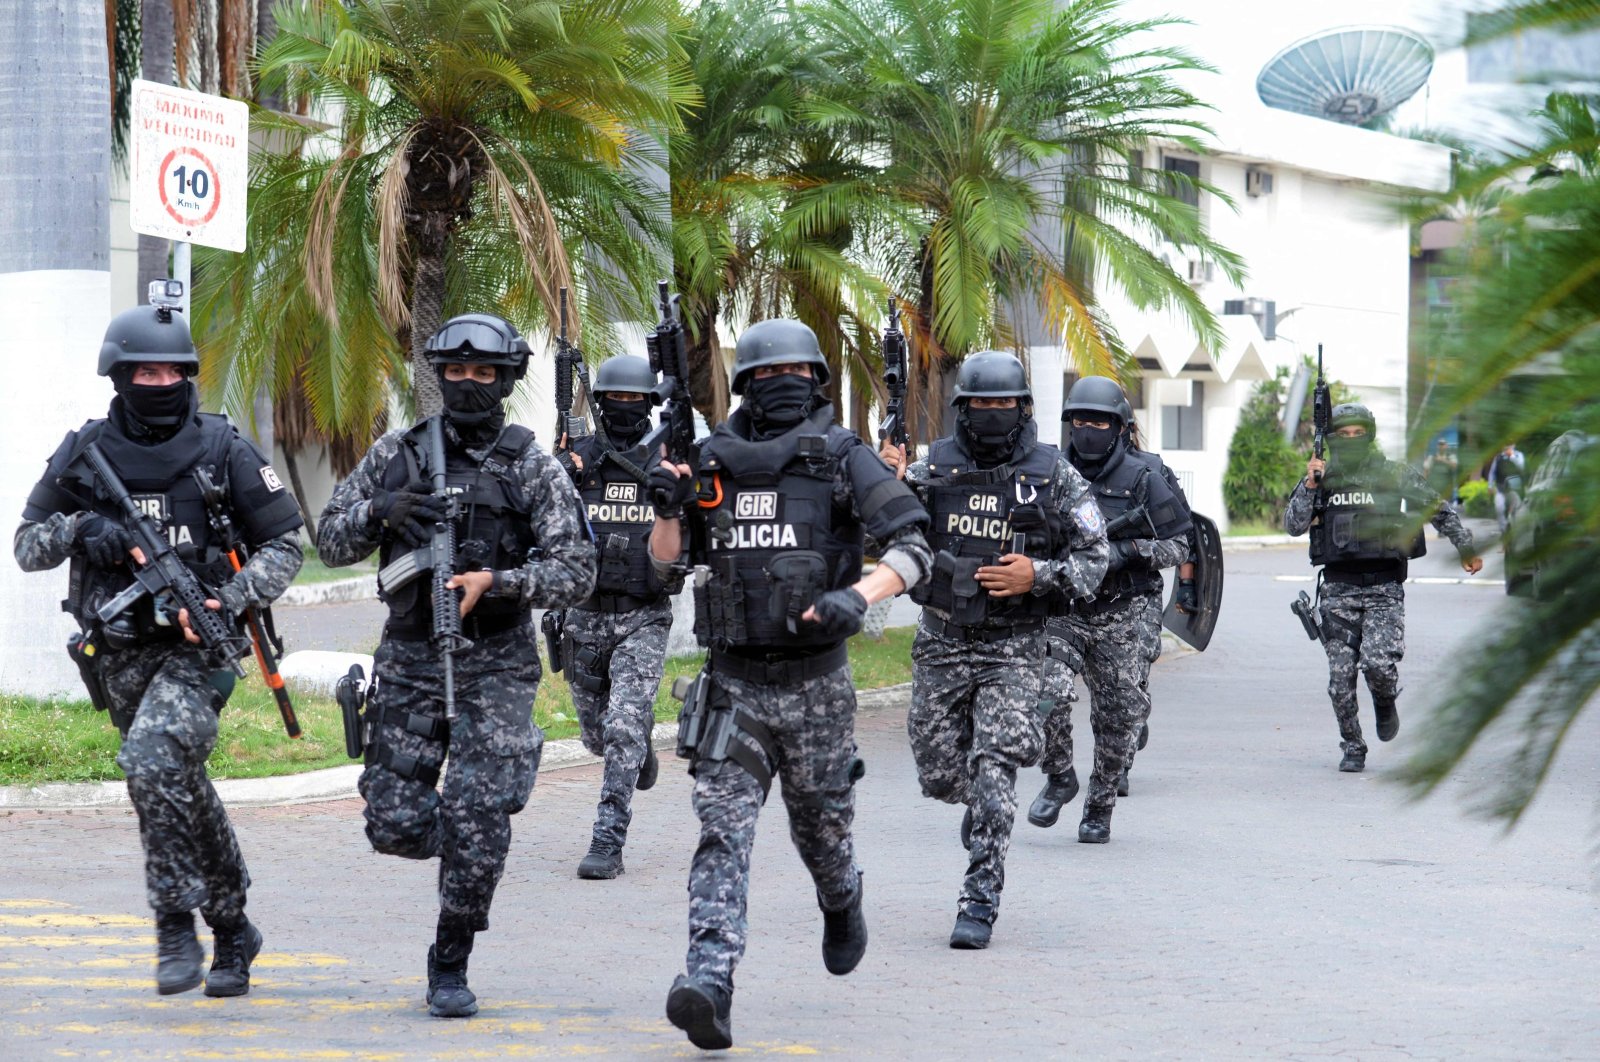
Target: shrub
[1477, 499]
[1262, 468]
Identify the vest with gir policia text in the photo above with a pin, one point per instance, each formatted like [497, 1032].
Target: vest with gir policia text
[977, 516]
[1360, 523]
[618, 507]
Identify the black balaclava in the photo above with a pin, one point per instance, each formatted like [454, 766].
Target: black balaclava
[778, 403]
[1348, 454]
[1093, 447]
[625, 422]
[991, 434]
[475, 409]
[154, 413]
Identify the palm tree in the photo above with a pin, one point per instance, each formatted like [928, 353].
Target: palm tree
[1525, 361]
[1006, 130]
[766, 205]
[485, 155]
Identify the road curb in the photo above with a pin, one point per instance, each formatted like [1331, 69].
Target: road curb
[339, 783]
[339, 591]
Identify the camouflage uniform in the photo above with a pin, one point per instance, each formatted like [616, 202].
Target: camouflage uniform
[975, 705]
[1373, 616]
[616, 722]
[159, 691]
[809, 714]
[493, 746]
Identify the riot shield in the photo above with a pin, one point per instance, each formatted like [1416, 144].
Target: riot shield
[1196, 629]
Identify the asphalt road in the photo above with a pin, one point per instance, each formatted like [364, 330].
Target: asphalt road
[1253, 903]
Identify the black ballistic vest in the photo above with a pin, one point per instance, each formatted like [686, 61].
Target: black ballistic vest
[1360, 522]
[493, 532]
[1128, 479]
[619, 511]
[774, 541]
[161, 480]
[976, 515]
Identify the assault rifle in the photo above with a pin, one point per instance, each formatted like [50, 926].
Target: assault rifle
[569, 360]
[669, 356]
[438, 558]
[171, 584]
[258, 621]
[894, 379]
[1321, 412]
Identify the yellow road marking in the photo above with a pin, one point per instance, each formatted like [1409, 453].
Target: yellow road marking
[78, 940]
[74, 921]
[289, 1054]
[25, 904]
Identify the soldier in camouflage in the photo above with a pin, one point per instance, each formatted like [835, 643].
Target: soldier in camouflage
[1015, 531]
[521, 543]
[1114, 637]
[615, 643]
[1356, 508]
[781, 498]
[162, 694]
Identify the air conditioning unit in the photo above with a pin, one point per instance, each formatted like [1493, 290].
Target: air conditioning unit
[1186, 263]
[1257, 183]
[1200, 271]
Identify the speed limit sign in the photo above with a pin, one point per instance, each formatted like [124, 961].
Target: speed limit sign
[190, 165]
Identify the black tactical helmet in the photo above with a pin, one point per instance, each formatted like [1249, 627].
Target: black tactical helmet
[778, 341]
[1347, 413]
[482, 338]
[1097, 394]
[148, 334]
[625, 372]
[991, 374]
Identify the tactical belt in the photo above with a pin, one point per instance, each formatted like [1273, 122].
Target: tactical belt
[779, 672]
[473, 627]
[958, 633]
[1379, 578]
[614, 603]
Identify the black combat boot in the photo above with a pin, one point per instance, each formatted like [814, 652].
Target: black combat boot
[966, 829]
[1096, 825]
[1388, 718]
[1355, 759]
[603, 862]
[1058, 790]
[844, 934]
[232, 952]
[649, 769]
[178, 953]
[970, 934]
[448, 994]
[702, 1010]
[1122, 782]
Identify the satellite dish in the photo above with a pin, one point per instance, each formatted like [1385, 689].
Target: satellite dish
[1349, 75]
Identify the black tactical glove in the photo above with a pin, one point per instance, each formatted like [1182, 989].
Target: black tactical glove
[406, 514]
[1188, 599]
[840, 612]
[105, 542]
[669, 492]
[568, 465]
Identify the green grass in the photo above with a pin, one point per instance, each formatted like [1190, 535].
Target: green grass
[1252, 527]
[68, 741]
[314, 571]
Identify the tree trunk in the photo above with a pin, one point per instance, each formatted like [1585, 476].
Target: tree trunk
[156, 63]
[708, 380]
[55, 261]
[427, 306]
[299, 489]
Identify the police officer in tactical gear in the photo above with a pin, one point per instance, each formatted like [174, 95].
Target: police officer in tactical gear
[1014, 531]
[778, 500]
[1365, 515]
[521, 544]
[615, 643]
[142, 666]
[1114, 637]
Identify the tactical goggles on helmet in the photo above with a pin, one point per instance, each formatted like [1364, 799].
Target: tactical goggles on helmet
[480, 340]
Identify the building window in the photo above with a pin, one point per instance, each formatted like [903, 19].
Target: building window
[1183, 427]
[1187, 191]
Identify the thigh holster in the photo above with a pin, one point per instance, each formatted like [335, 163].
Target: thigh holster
[711, 730]
[1338, 629]
[588, 666]
[379, 752]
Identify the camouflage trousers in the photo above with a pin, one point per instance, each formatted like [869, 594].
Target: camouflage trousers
[494, 756]
[616, 719]
[1363, 629]
[1113, 650]
[191, 856]
[812, 723]
[974, 721]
